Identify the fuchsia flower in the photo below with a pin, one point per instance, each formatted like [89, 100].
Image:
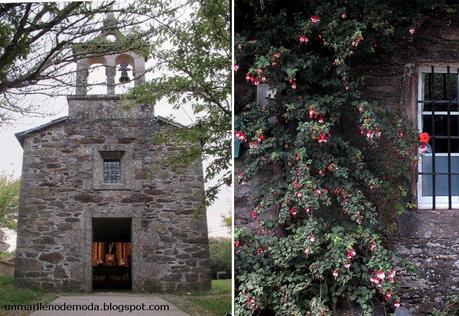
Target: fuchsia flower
[317, 192]
[391, 273]
[313, 113]
[261, 250]
[411, 30]
[336, 273]
[292, 83]
[293, 211]
[344, 16]
[315, 19]
[380, 274]
[235, 67]
[372, 245]
[388, 296]
[323, 138]
[396, 304]
[375, 280]
[237, 244]
[350, 253]
[251, 302]
[347, 265]
[307, 251]
[312, 238]
[303, 39]
[253, 214]
[299, 194]
[241, 136]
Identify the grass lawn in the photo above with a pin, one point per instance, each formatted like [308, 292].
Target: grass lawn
[10, 294]
[215, 302]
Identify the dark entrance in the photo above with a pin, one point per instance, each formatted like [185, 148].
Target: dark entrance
[111, 253]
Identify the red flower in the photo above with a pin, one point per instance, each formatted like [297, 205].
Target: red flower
[303, 39]
[241, 136]
[315, 19]
[292, 83]
[350, 253]
[323, 138]
[253, 214]
[237, 244]
[411, 30]
[293, 211]
[396, 304]
[424, 138]
[388, 296]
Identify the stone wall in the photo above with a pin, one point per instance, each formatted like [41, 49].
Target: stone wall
[428, 238]
[59, 197]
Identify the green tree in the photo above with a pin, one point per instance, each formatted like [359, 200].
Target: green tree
[37, 41]
[192, 54]
[9, 202]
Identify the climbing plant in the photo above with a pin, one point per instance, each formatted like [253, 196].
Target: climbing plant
[336, 167]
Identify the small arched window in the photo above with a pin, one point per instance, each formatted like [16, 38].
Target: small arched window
[97, 79]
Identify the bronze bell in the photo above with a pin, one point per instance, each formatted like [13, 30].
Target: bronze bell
[124, 75]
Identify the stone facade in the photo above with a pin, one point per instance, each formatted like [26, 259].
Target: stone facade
[62, 192]
[428, 238]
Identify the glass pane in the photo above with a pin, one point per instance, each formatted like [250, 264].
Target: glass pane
[441, 164]
[112, 171]
[426, 185]
[444, 86]
[441, 185]
[441, 125]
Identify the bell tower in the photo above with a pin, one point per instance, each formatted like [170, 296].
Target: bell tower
[116, 73]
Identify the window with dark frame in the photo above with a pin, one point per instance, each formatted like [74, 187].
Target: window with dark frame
[438, 115]
[112, 166]
[112, 171]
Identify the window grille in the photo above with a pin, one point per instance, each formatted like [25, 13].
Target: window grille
[438, 185]
[112, 170]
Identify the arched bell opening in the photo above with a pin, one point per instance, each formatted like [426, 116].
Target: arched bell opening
[125, 73]
[97, 78]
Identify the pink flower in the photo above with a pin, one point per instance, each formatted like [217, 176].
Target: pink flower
[253, 214]
[299, 194]
[235, 67]
[388, 295]
[375, 280]
[321, 173]
[347, 265]
[312, 238]
[253, 144]
[317, 192]
[336, 273]
[372, 245]
[251, 302]
[248, 76]
[323, 138]
[293, 211]
[391, 273]
[422, 148]
[350, 253]
[370, 134]
[237, 244]
[344, 16]
[241, 136]
[380, 274]
[411, 30]
[396, 304]
[261, 250]
[307, 251]
[312, 113]
[292, 83]
[315, 19]
[303, 39]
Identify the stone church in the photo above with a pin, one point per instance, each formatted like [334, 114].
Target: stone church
[99, 209]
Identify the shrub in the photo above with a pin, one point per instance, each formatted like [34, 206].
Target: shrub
[220, 256]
